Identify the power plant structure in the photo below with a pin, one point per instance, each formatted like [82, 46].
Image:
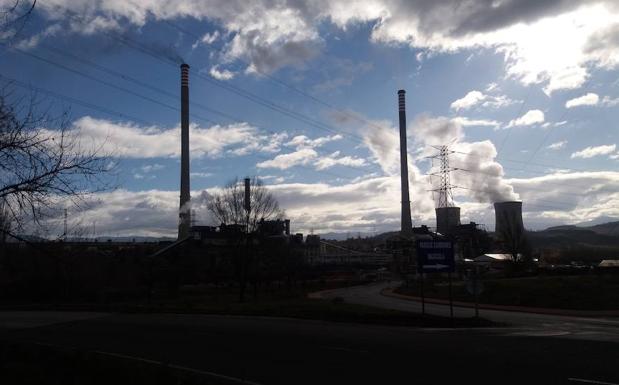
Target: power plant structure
[184, 211]
[508, 220]
[407, 223]
[447, 219]
[447, 215]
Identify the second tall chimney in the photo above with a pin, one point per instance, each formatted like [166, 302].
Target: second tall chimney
[407, 224]
[184, 210]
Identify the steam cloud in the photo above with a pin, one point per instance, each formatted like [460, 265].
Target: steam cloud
[480, 174]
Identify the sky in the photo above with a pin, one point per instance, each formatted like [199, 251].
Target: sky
[303, 95]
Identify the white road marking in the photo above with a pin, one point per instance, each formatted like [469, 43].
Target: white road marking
[591, 381]
[177, 367]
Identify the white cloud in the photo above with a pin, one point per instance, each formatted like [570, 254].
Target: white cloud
[469, 100]
[307, 155]
[364, 204]
[126, 140]
[436, 131]
[261, 143]
[557, 145]
[569, 197]
[285, 161]
[529, 118]
[607, 101]
[221, 74]
[302, 141]
[201, 174]
[207, 39]
[383, 142]
[554, 42]
[474, 98]
[152, 167]
[335, 159]
[492, 87]
[544, 43]
[589, 99]
[465, 122]
[590, 152]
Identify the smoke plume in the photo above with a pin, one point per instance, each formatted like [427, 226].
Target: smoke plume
[477, 171]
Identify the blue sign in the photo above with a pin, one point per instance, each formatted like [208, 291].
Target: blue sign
[435, 256]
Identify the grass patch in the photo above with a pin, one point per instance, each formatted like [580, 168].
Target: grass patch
[292, 303]
[590, 292]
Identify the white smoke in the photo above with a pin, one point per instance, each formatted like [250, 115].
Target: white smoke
[478, 173]
[382, 140]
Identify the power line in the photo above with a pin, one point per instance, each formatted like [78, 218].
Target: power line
[278, 81]
[69, 99]
[525, 203]
[229, 87]
[259, 100]
[565, 112]
[168, 94]
[524, 162]
[509, 129]
[113, 112]
[528, 187]
[106, 83]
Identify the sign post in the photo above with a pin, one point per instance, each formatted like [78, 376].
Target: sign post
[423, 298]
[435, 256]
[475, 287]
[451, 303]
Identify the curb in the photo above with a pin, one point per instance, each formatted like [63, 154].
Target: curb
[389, 292]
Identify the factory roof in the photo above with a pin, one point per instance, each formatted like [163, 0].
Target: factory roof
[493, 258]
[609, 263]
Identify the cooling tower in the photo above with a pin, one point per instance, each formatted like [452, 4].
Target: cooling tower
[447, 219]
[184, 212]
[407, 224]
[508, 219]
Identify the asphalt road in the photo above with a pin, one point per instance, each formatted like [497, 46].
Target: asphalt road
[603, 329]
[288, 351]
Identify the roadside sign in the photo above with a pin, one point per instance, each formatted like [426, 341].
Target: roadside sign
[435, 256]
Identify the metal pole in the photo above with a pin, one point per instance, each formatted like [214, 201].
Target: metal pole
[423, 298]
[475, 290]
[451, 305]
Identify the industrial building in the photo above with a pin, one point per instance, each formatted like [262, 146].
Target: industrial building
[470, 240]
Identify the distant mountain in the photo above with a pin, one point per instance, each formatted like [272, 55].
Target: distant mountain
[344, 236]
[611, 228]
[599, 235]
[603, 220]
[129, 239]
[608, 228]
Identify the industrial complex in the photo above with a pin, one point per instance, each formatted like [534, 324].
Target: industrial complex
[470, 240]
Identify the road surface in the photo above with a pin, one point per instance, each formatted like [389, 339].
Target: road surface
[603, 329]
[273, 351]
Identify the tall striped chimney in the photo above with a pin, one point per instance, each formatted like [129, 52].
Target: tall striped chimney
[184, 215]
[407, 224]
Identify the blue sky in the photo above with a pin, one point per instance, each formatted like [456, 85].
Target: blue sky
[525, 94]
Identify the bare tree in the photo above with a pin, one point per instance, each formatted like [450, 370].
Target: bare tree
[514, 241]
[229, 205]
[13, 17]
[42, 162]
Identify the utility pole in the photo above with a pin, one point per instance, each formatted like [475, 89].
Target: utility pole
[64, 234]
